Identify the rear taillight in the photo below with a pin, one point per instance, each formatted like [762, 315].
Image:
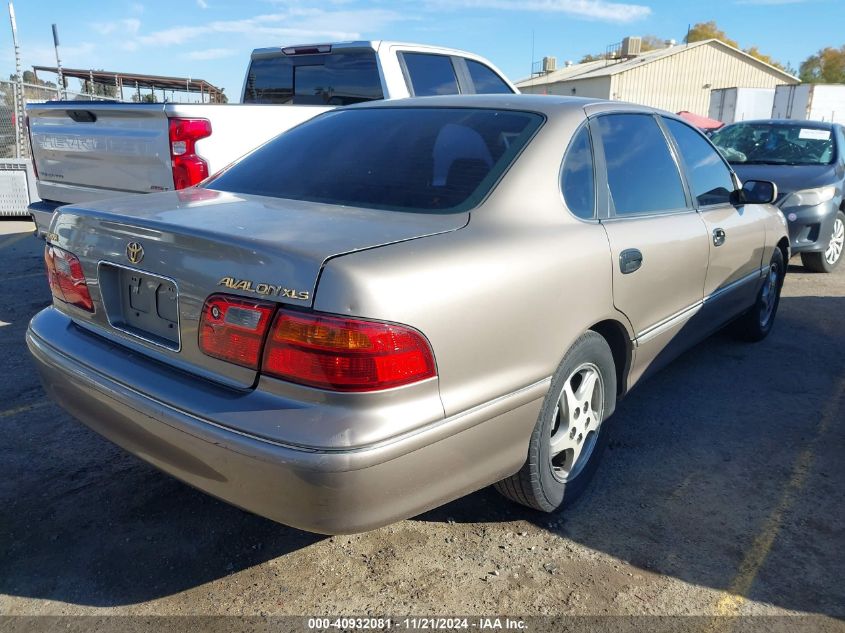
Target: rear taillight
[317, 350]
[233, 329]
[344, 354]
[188, 167]
[67, 281]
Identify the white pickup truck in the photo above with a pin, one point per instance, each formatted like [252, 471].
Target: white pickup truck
[86, 151]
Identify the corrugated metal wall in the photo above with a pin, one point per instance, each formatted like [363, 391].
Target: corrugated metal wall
[597, 88]
[677, 82]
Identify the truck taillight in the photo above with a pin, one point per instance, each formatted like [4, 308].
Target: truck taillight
[343, 354]
[67, 281]
[188, 167]
[233, 329]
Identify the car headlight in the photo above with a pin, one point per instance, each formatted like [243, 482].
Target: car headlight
[809, 197]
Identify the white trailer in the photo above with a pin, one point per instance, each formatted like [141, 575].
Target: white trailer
[810, 102]
[730, 105]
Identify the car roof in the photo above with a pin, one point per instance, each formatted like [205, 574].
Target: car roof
[545, 104]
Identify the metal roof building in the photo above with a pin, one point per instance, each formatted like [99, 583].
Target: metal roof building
[675, 78]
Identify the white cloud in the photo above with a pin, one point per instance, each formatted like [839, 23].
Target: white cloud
[132, 25]
[602, 10]
[202, 4]
[297, 25]
[211, 53]
[129, 26]
[80, 55]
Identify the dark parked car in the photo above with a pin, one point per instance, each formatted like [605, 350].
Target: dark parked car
[806, 159]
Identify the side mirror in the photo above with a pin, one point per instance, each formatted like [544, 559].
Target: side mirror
[756, 192]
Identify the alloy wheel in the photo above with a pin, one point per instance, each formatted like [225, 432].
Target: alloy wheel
[837, 240]
[577, 420]
[769, 295]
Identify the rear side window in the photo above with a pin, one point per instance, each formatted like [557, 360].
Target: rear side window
[576, 177]
[642, 177]
[422, 160]
[709, 177]
[430, 74]
[339, 78]
[486, 81]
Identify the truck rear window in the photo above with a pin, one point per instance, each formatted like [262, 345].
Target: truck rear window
[423, 160]
[338, 78]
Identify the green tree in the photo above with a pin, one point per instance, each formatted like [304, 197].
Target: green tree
[145, 98]
[708, 31]
[711, 31]
[98, 89]
[29, 77]
[826, 67]
[591, 58]
[652, 43]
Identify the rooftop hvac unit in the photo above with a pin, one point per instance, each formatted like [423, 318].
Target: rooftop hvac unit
[631, 46]
[549, 64]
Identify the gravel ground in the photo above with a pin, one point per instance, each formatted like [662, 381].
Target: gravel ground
[721, 494]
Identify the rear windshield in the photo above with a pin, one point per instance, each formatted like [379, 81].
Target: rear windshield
[775, 144]
[339, 78]
[423, 160]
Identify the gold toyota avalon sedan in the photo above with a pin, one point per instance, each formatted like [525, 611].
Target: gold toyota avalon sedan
[393, 305]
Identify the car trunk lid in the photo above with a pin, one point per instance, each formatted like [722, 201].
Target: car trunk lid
[198, 242]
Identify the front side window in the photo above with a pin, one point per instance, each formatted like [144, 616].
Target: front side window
[420, 160]
[642, 176]
[430, 74]
[709, 177]
[486, 82]
[576, 178]
[338, 78]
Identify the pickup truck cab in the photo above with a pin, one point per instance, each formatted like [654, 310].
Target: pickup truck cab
[84, 151]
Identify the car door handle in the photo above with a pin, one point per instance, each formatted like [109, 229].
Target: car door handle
[719, 237]
[630, 260]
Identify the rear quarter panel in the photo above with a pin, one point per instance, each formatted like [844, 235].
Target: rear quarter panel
[500, 300]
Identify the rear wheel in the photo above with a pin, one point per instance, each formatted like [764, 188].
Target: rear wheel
[567, 442]
[756, 324]
[827, 261]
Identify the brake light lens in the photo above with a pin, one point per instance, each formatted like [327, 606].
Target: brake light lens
[343, 354]
[67, 281]
[188, 168]
[233, 329]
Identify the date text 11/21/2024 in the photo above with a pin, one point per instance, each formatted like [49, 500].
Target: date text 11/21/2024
[418, 624]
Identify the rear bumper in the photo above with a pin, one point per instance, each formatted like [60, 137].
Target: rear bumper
[331, 492]
[42, 215]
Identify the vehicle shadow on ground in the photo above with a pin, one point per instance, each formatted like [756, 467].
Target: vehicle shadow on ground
[107, 530]
[724, 469]
[699, 462]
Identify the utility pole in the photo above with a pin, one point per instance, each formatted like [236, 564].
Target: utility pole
[58, 64]
[19, 96]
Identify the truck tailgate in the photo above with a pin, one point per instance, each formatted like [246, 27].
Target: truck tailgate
[111, 146]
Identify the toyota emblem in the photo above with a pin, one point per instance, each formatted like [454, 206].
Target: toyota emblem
[134, 252]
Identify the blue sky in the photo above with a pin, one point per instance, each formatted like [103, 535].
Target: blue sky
[212, 39]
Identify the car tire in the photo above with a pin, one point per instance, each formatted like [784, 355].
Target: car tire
[756, 324]
[586, 374]
[827, 261]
